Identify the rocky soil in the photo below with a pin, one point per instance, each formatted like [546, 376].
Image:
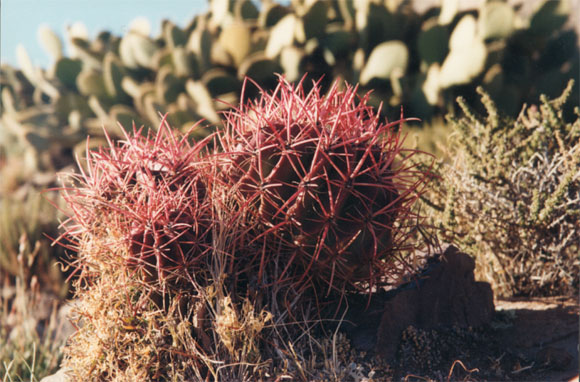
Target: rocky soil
[447, 326]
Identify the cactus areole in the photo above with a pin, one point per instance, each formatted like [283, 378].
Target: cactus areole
[326, 182]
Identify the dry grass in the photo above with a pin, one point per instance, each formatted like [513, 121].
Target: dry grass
[30, 343]
[25, 220]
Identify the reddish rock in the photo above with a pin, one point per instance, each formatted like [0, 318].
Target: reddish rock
[446, 294]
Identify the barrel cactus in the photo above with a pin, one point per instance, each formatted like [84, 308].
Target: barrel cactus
[328, 186]
[143, 203]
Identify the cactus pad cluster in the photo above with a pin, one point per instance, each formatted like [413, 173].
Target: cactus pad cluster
[421, 59]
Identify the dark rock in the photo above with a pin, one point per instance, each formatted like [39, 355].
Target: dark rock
[555, 358]
[449, 295]
[444, 295]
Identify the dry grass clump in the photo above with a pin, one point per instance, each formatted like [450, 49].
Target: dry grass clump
[132, 330]
[511, 196]
[30, 332]
[125, 335]
[25, 220]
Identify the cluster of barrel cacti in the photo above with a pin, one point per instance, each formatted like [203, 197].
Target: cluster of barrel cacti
[421, 61]
[300, 191]
[325, 189]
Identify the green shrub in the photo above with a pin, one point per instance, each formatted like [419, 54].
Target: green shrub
[511, 195]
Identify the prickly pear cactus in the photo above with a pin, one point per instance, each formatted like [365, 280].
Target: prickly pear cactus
[419, 61]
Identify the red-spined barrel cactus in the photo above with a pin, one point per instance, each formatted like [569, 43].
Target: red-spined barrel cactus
[143, 203]
[327, 186]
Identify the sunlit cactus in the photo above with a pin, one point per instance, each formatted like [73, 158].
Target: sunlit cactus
[327, 185]
[145, 202]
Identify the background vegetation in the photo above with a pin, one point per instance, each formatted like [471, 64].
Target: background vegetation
[420, 61]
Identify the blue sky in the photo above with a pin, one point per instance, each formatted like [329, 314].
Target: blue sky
[20, 19]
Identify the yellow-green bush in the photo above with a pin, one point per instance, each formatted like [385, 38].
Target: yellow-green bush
[511, 195]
